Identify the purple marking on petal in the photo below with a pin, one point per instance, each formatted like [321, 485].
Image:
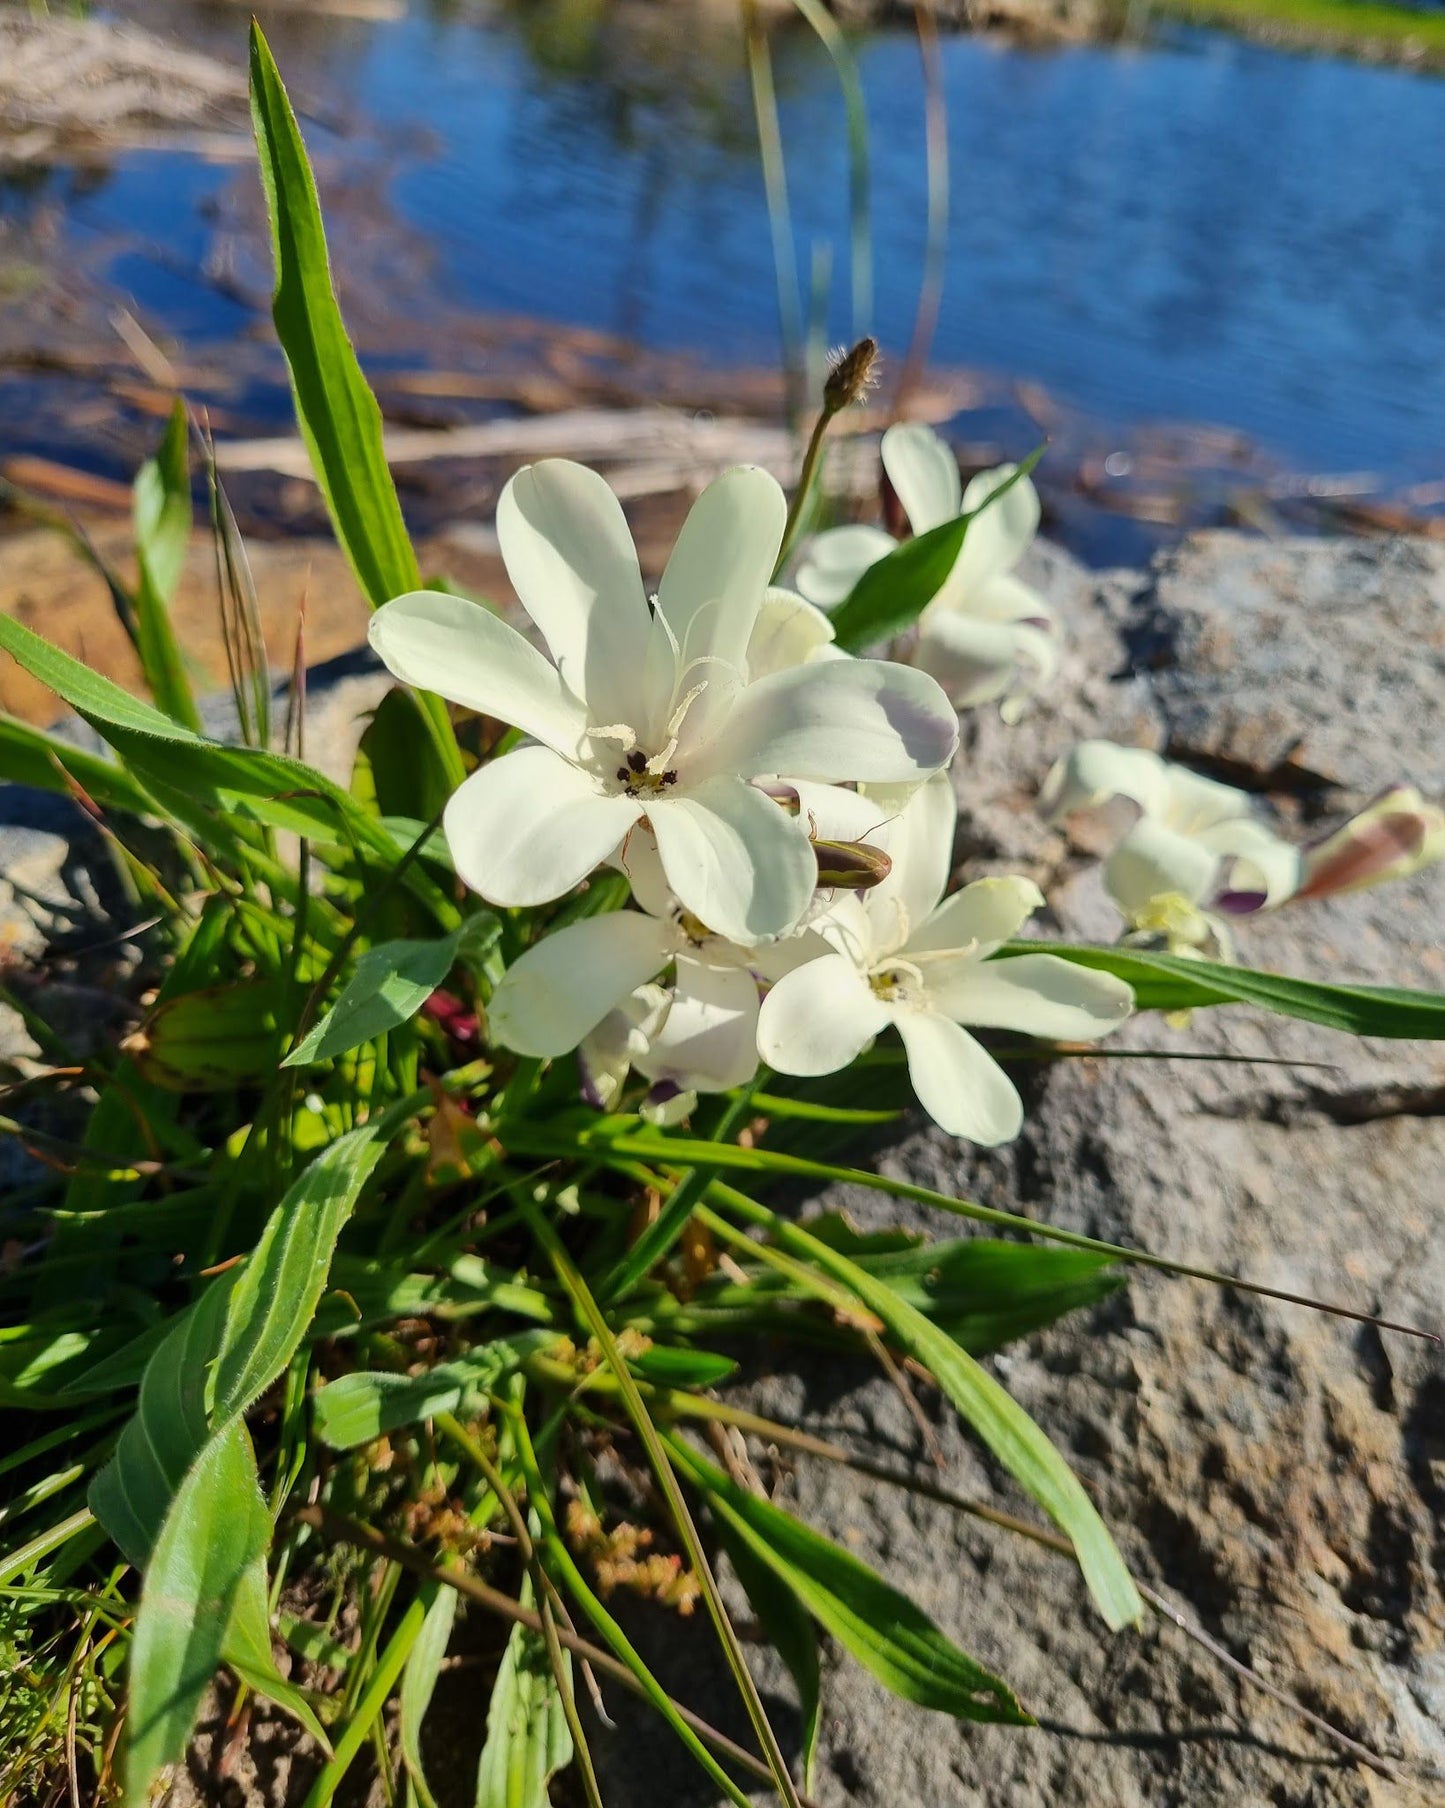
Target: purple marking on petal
[663, 1092]
[1240, 903]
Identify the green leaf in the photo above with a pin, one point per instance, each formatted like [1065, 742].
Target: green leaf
[214, 1530]
[356, 1408]
[985, 1293]
[527, 1737]
[336, 411]
[391, 983]
[204, 784]
[788, 1630]
[1169, 982]
[162, 514]
[892, 594]
[888, 1634]
[418, 1681]
[335, 408]
[247, 1650]
[29, 756]
[998, 1419]
[227, 1348]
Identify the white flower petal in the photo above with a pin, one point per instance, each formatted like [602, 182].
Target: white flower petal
[924, 474]
[1197, 804]
[1099, 770]
[788, 631]
[959, 1084]
[919, 842]
[569, 554]
[1155, 862]
[455, 647]
[837, 558]
[709, 1041]
[734, 859]
[527, 827]
[819, 1017]
[1261, 862]
[722, 563]
[563, 986]
[637, 857]
[976, 661]
[833, 813]
[1039, 994]
[861, 719]
[997, 538]
[978, 918]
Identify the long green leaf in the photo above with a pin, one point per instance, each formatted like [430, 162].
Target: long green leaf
[214, 1530]
[788, 1629]
[29, 756]
[337, 412]
[888, 1634]
[1167, 982]
[204, 783]
[162, 515]
[892, 594]
[229, 1347]
[999, 1420]
[335, 408]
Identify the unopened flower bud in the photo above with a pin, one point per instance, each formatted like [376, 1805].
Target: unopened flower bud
[851, 865]
[850, 376]
[1395, 836]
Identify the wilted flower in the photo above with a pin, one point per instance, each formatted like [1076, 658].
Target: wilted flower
[986, 635]
[648, 713]
[1396, 835]
[1197, 848]
[899, 956]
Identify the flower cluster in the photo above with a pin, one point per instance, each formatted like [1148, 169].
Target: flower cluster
[782, 811]
[1197, 855]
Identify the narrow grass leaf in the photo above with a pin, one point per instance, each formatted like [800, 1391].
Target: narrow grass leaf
[30, 756]
[787, 1628]
[998, 1419]
[888, 1634]
[1166, 982]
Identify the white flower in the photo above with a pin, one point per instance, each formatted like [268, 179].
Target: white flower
[985, 635]
[1395, 836]
[648, 713]
[1196, 849]
[900, 956]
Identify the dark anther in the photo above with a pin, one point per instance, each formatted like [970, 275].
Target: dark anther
[623, 774]
[669, 778]
[637, 760]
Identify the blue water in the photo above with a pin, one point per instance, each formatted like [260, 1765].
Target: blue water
[1194, 229]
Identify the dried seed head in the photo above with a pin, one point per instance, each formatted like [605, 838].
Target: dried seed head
[850, 376]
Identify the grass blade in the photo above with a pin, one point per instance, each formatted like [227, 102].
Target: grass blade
[891, 1637]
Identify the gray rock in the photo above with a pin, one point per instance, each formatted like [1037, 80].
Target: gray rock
[1278, 1474]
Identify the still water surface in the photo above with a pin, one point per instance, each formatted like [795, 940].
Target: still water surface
[1195, 228]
